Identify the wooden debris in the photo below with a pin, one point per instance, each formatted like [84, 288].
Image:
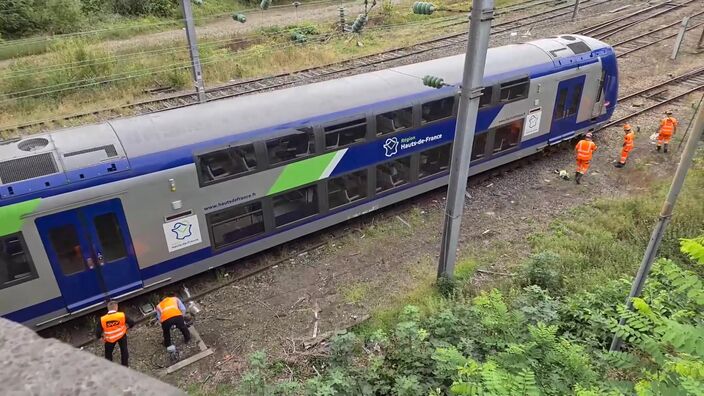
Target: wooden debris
[316, 314]
[483, 271]
[403, 221]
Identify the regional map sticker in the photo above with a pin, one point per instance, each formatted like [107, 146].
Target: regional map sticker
[532, 123]
[181, 233]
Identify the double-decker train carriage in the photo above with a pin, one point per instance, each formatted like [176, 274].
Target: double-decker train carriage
[112, 210]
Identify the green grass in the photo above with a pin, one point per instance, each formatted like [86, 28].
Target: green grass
[355, 293]
[606, 240]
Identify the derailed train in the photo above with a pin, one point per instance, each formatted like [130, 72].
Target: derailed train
[123, 207]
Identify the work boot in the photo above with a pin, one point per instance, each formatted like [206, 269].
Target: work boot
[665, 149]
[578, 177]
[657, 148]
[619, 165]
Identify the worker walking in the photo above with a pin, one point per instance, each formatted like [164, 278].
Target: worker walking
[668, 127]
[170, 313]
[628, 144]
[584, 149]
[113, 329]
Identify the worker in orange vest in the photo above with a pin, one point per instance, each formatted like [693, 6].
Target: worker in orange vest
[170, 313]
[628, 144]
[668, 127]
[584, 149]
[113, 330]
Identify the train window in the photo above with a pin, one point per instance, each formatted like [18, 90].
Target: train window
[291, 147]
[346, 133]
[225, 163]
[295, 205]
[576, 98]
[110, 236]
[560, 104]
[347, 188]
[393, 174]
[67, 246]
[507, 136]
[514, 90]
[437, 109]
[394, 121]
[15, 263]
[479, 147]
[485, 99]
[435, 160]
[236, 224]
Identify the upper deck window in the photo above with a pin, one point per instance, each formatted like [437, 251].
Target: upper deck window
[394, 121]
[226, 163]
[437, 109]
[346, 133]
[291, 147]
[514, 90]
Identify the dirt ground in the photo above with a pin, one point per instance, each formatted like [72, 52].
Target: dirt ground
[376, 259]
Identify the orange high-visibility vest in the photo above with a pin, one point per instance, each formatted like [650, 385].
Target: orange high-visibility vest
[168, 308]
[628, 140]
[114, 326]
[585, 149]
[667, 126]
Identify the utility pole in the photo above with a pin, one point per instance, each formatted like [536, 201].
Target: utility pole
[680, 37]
[193, 49]
[471, 90]
[665, 216]
[576, 8]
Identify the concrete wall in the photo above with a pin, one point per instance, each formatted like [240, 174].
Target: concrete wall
[31, 365]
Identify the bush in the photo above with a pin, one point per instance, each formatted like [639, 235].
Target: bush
[18, 18]
[160, 8]
[542, 270]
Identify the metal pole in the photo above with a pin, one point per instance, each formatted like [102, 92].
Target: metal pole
[193, 49]
[665, 216]
[680, 37]
[576, 8]
[472, 86]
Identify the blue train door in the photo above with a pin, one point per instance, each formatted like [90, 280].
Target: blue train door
[91, 253]
[564, 116]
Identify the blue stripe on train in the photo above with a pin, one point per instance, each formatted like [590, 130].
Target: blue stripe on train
[37, 310]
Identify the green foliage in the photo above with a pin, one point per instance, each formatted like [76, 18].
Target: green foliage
[258, 380]
[22, 17]
[160, 8]
[543, 270]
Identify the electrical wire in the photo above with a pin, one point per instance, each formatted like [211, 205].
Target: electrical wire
[34, 92]
[32, 40]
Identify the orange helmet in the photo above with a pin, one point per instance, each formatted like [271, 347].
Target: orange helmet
[627, 127]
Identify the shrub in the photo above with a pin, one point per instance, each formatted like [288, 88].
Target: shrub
[542, 270]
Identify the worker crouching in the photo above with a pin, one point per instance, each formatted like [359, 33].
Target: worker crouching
[628, 144]
[170, 313]
[585, 150]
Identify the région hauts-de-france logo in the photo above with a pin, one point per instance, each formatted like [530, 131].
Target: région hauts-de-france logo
[182, 230]
[532, 121]
[391, 146]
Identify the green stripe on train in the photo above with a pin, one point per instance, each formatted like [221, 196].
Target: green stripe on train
[11, 215]
[302, 172]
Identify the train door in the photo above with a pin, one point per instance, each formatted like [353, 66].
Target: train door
[564, 116]
[91, 253]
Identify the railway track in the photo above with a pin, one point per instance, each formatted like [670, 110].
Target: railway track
[601, 30]
[662, 93]
[288, 79]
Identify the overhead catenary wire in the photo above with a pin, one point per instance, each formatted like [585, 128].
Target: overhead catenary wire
[205, 45]
[90, 82]
[177, 21]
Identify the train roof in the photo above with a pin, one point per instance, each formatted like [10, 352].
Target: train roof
[152, 133]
